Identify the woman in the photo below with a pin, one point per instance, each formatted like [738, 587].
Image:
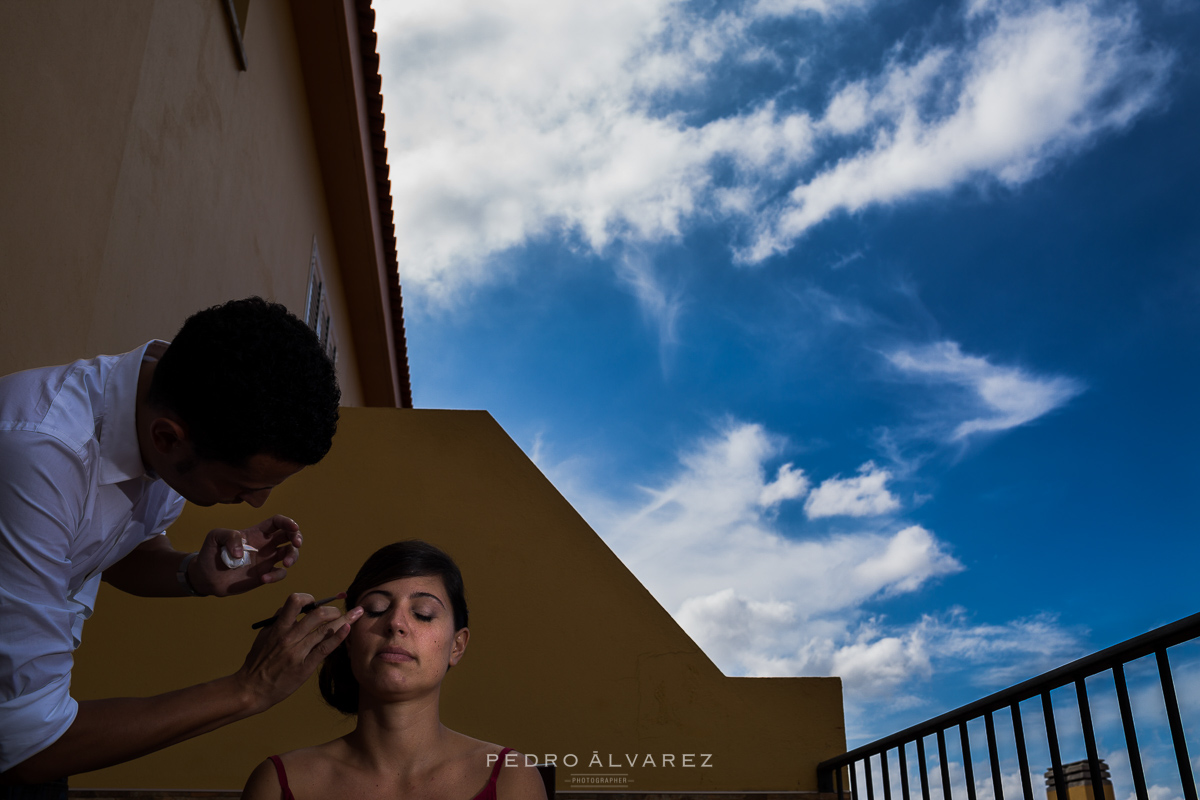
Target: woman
[389, 672]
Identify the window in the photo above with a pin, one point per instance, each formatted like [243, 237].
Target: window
[316, 305]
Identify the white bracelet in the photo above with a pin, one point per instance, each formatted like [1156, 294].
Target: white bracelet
[182, 575]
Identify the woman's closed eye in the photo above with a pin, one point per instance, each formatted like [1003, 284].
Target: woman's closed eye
[375, 612]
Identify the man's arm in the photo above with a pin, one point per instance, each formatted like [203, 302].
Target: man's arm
[150, 570]
[107, 732]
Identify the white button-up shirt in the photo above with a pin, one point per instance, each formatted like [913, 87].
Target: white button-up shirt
[74, 499]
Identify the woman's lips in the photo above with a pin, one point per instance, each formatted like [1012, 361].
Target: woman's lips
[396, 655]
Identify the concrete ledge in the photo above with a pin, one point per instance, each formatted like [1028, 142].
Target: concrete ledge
[570, 794]
[197, 794]
[155, 794]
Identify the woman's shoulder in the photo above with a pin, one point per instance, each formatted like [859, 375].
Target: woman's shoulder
[513, 776]
[271, 778]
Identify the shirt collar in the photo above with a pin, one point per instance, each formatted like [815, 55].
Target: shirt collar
[120, 455]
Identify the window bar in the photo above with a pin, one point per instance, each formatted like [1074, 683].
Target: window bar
[870, 779]
[1131, 742]
[854, 781]
[1181, 751]
[1060, 780]
[1022, 754]
[968, 768]
[1089, 739]
[941, 743]
[904, 792]
[886, 775]
[994, 757]
[922, 767]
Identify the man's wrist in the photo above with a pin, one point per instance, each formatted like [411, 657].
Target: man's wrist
[184, 579]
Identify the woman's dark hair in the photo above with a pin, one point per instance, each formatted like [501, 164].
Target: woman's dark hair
[249, 378]
[408, 559]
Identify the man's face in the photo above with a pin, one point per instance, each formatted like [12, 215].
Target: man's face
[207, 483]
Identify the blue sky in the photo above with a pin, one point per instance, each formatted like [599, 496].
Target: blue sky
[864, 331]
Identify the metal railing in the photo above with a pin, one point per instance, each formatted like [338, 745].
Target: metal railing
[1156, 642]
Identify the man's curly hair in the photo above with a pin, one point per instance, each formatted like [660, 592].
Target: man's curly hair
[248, 378]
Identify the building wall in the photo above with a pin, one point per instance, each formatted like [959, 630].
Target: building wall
[146, 177]
[569, 654]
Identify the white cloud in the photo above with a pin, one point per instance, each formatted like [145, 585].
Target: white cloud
[513, 120]
[713, 527]
[789, 484]
[862, 496]
[1038, 84]
[997, 398]
[767, 597]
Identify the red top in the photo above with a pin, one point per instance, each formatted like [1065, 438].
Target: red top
[488, 792]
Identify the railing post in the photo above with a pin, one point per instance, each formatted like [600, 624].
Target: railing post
[1060, 781]
[968, 767]
[945, 764]
[1180, 741]
[923, 768]
[1089, 739]
[824, 780]
[994, 757]
[1022, 752]
[886, 774]
[904, 772]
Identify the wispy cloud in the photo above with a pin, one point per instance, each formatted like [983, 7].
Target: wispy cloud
[513, 120]
[1031, 84]
[993, 397]
[661, 305]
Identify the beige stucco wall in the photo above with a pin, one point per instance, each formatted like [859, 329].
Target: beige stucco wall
[569, 653]
[145, 177]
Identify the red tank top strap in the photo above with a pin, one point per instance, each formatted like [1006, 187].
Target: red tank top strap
[282, 775]
[489, 792]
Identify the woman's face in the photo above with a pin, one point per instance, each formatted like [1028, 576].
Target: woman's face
[405, 640]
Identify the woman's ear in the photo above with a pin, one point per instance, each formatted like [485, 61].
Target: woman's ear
[460, 645]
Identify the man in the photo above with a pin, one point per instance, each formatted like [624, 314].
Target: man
[96, 460]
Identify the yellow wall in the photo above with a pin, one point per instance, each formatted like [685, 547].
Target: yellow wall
[569, 653]
[145, 177]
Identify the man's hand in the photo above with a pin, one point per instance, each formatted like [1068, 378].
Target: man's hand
[107, 732]
[289, 650]
[277, 540]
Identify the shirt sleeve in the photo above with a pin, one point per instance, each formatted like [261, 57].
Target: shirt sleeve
[43, 486]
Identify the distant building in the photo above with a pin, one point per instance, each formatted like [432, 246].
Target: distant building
[1078, 778]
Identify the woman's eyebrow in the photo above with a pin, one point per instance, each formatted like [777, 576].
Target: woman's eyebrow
[415, 595]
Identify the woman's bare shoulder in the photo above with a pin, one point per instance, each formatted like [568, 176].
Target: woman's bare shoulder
[263, 783]
[303, 767]
[518, 779]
